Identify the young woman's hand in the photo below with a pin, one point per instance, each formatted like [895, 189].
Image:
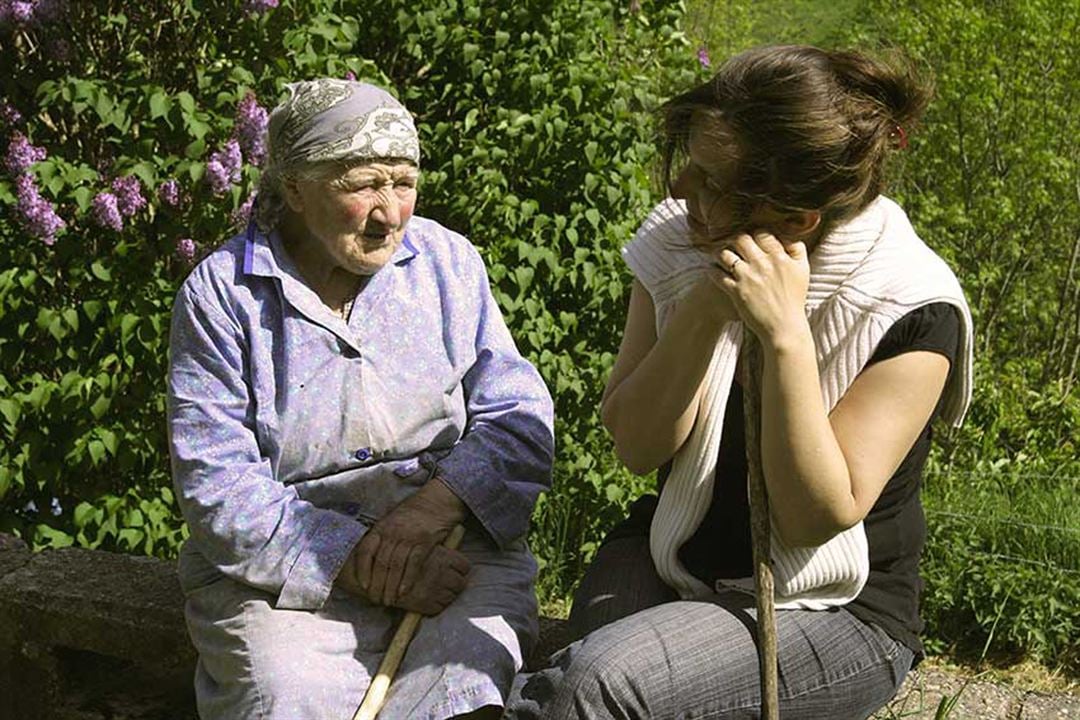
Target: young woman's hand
[767, 282]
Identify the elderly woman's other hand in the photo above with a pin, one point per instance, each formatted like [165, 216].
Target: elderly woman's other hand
[399, 562]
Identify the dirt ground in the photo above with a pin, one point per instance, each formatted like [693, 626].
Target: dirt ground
[978, 698]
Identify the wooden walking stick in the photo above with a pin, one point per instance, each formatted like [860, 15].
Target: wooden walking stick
[759, 531]
[380, 684]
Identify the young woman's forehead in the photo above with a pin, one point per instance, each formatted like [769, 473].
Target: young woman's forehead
[712, 146]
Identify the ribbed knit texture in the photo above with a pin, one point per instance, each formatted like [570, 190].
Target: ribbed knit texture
[864, 276]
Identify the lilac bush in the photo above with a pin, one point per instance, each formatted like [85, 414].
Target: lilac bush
[106, 212]
[128, 191]
[21, 154]
[185, 249]
[37, 215]
[223, 168]
[250, 128]
[169, 193]
[256, 7]
[9, 114]
[241, 215]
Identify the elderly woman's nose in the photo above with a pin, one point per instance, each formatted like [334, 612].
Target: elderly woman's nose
[387, 209]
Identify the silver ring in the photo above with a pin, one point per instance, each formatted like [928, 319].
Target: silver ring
[734, 264]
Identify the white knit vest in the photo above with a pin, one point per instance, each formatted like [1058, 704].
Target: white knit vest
[864, 276]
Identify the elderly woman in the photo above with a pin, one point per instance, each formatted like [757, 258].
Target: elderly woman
[342, 392]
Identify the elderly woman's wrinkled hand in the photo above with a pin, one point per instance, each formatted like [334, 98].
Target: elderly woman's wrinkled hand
[400, 563]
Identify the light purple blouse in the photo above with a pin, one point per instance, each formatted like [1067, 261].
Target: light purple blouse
[291, 429]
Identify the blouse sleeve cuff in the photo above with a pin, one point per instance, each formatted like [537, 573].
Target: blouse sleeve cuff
[311, 577]
[501, 510]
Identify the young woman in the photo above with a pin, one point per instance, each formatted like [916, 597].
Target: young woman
[776, 227]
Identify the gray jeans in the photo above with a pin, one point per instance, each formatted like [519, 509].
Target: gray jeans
[649, 655]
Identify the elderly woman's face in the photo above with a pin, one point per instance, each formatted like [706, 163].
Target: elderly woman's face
[359, 216]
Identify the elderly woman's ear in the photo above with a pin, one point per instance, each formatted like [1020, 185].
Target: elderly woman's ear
[293, 198]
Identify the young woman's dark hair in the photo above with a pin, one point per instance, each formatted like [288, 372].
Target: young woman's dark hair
[813, 128]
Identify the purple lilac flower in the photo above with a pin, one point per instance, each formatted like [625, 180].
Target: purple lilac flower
[223, 169]
[106, 213]
[129, 199]
[185, 249]
[8, 113]
[251, 119]
[255, 7]
[169, 193]
[703, 57]
[22, 12]
[38, 215]
[21, 154]
[241, 215]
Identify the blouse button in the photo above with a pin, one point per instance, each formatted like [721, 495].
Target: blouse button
[363, 454]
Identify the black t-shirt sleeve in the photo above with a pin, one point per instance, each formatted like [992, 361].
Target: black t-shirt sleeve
[933, 328]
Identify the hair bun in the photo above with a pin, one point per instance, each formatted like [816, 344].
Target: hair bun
[891, 81]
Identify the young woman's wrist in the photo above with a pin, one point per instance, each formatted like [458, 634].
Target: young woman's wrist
[793, 336]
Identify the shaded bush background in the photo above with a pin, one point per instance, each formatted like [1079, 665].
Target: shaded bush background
[537, 144]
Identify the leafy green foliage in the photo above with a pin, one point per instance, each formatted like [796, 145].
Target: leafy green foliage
[537, 144]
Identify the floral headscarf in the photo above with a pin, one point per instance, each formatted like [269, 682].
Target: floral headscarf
[328, 120]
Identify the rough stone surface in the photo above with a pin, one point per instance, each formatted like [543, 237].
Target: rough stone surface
[115, 605]
[87, 635]
[13, 554]
[554, 634]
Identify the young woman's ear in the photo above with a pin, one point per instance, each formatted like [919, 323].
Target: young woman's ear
[799, 225]
[291, 190]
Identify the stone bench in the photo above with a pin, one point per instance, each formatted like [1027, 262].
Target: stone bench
[90, 635]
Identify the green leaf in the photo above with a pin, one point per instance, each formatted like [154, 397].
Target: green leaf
[47, 536]
[127, 325]
[108, 438]
[84, 196]
[100, 407]
[92, 308]
[100, 271]
[11, 410]
[187, 103]
[470, 119]
[71, 317]
[146, 172]
[84, 513]
[159, 105]
[96, 448]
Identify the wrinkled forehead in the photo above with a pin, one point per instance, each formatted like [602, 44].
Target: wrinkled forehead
[382, 168]
[331, 120]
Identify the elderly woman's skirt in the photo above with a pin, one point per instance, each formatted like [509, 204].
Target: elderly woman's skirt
[256, 661]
